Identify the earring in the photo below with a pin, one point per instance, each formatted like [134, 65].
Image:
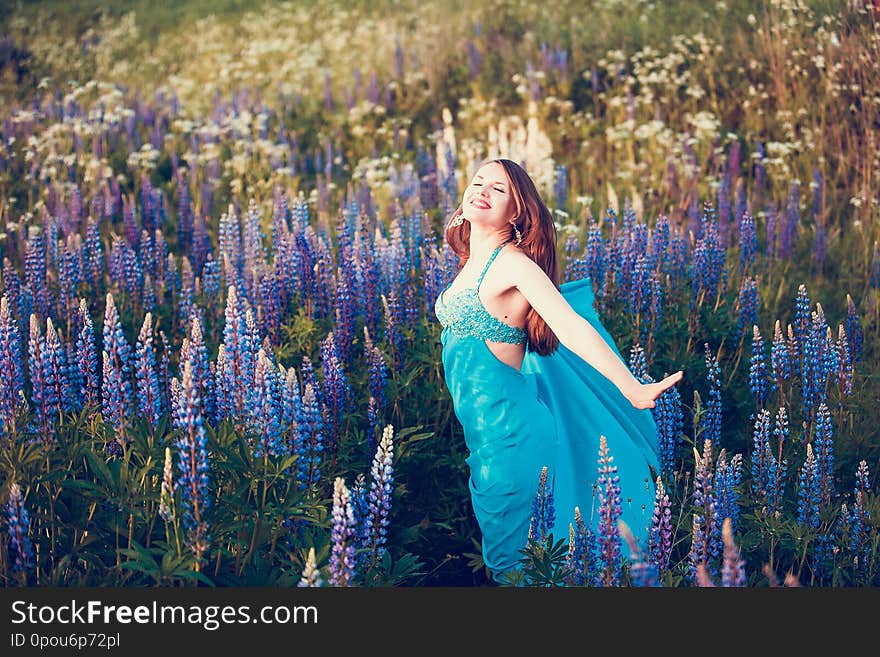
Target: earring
[516, 231]
[457, 220]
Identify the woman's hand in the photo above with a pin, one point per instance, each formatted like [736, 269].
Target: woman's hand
[644, 394]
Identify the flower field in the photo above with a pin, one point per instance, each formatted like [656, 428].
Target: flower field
[222, 239]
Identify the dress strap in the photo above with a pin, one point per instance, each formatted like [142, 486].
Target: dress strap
[489, 262]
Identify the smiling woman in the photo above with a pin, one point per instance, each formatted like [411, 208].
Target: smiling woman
[535, 379]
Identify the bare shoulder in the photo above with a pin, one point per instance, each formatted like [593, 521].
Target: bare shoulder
[518, 265]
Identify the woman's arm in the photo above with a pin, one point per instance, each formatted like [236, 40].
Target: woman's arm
[578, 334]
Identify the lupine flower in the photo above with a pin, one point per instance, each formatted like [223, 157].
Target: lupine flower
[580, 563]
[777, 466]
[342, 536]
[116, 390]
[779, 357]
[706, 509]
[166, 495]
[11, 365]
[192, 460]
[311, 576]
[149, 400]
[311, 440]
[87, 359]
[393, 321]
[543, 512]
[711, 422]
[265, 413]
[46, 404]
[596, 258]
[377, 371]
[21, 550]
[608, 552]
[758, 369]
[669, 420]
[726, 482]
[747, 305]
[660, 537]
[748, 244]
[55, 362]
[824, 450]
[733, 569]
[808, 495]
[337, 392]
[379, 501]
[802, 323]
[638, 364]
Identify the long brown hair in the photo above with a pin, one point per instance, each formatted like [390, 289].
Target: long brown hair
[535, 224]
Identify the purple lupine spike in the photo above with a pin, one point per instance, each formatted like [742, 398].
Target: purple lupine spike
[198, 354]
[758, 369]
[609, 565]
[802, 322]
[543, 512]
[660, 537]
[379, 500]
[580, 564]
[733, 569]
[264, 408]
[393, 325]
[192, 460]
[337, 392]
[778, 466]
[239, 362]
[792, 221]
[87, 358]
[93, 251]
[342, 537]
[706, 508]
[824, 451]
[11, 361]
[149, 399]
[808, 495]
[21, 549]
[854, 333]
[166, 492]
[696, 556]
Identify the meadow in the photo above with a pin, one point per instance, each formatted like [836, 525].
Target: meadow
[222, 239]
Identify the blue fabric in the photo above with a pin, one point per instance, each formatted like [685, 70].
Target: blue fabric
[551, 413]
[465, 315]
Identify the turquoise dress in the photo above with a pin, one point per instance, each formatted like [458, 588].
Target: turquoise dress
[551, 413]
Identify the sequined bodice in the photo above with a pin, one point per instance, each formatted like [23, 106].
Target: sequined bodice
[465, 315]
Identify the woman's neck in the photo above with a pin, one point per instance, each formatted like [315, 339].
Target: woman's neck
[482, 246]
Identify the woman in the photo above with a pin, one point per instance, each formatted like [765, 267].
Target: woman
[535, 379]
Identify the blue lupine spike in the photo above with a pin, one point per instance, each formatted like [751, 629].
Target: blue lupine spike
[116, 387]
[55, 364]
[310, 440]
[596, 258]
[580, 563]
[777, 466]
[726, 482]
[780, 362]
[747, 306]
[379, 500]
[638, 363]
[42, 384]
[543, 511]
[337, 392]
[808, 493]
[802, 322]
[198, 354]
[149, 399]
[192, 461]
[377, 370]
[758, 369]
[342, 537]
[11, 365]
[733, 570]
[669, 418]
[660, 537]
[360, 508]
[21, 549]
[824, 451]
[609, 565]
[711, 423]
[265, 414]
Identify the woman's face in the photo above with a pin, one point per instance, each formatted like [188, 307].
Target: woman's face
[488, 199]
